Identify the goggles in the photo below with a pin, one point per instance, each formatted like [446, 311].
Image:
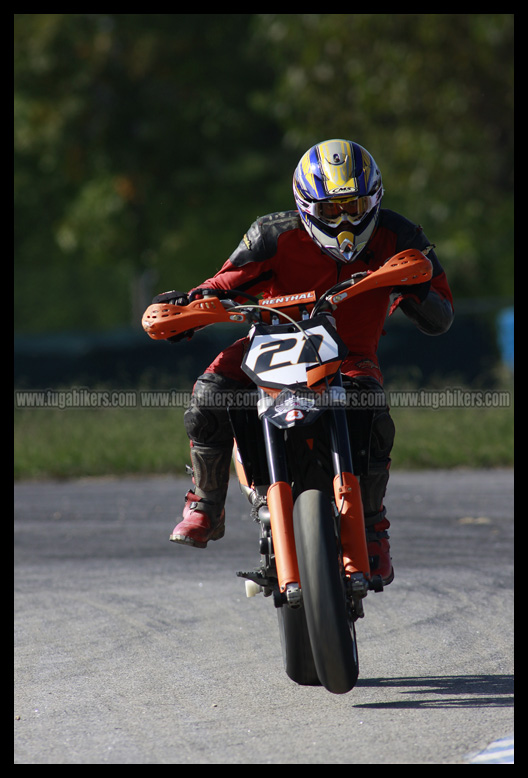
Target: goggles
[353, 208]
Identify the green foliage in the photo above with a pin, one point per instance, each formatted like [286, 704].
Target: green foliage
[134, 148]
[431, 97]
[73, 443]
[453, 437]
[145, 144]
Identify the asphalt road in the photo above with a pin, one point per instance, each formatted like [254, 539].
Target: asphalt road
[132, 650]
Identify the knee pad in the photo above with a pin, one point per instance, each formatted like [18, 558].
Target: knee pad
[382, 436]
[206, 420]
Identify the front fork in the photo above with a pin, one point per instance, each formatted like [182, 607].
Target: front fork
[280, 505]
[347, 492]
[347, 497]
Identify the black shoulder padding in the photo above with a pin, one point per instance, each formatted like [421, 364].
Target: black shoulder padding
[260, 241]
[409, 235]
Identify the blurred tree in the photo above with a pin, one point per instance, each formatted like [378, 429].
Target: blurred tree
[146, 143]
[136, 152]
[431, 97]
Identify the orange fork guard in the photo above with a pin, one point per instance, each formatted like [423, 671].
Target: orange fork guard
[353, 540]
[403, 269]
[280, 504]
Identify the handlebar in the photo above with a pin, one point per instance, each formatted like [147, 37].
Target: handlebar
[162, 321]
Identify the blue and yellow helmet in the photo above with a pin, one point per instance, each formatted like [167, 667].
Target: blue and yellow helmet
[337, 188]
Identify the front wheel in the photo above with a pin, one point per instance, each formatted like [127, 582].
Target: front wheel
[295, 644]
[332, 636]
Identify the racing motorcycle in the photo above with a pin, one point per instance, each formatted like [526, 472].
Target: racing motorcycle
[299, 452]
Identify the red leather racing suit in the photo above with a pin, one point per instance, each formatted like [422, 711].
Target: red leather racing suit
[276, 257]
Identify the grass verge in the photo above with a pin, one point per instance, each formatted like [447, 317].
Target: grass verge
[70, 443]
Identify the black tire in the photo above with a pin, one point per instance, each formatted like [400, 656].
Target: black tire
[332, 637]
[296, 650]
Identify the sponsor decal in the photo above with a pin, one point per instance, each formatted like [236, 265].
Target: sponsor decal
[344, 190]
[367, 363]
[294, 415]
[290, 299]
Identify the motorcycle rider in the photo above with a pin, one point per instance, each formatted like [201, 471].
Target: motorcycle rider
[337, 230]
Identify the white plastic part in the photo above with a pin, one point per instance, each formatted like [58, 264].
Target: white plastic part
[252, 588]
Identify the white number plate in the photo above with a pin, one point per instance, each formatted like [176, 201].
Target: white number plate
[281, 355]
